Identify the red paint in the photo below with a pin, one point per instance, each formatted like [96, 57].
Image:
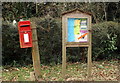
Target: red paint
[25, 34]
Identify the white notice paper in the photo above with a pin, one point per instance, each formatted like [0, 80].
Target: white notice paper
[26, 38]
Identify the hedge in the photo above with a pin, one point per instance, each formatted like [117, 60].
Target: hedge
[105, 42]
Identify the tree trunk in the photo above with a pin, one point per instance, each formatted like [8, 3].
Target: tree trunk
[105, 11]
[36, 7]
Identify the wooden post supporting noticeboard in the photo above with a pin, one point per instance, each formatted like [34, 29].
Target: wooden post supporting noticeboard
[63, 50]
[35, 52]
[89, 69]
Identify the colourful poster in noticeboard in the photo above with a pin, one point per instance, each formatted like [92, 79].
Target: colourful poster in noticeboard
[77, 30]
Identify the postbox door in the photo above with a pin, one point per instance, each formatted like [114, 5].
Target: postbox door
[26, 39]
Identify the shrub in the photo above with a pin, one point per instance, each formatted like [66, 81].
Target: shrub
[105, 40]
[11, 52]
[49, 36]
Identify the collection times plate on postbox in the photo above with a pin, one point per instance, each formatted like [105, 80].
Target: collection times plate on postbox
[77, 30]
[25, 34]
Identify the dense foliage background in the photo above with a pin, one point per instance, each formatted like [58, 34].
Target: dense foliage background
[105, 40]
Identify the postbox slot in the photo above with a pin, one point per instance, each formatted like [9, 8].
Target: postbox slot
[24, 25]
[25, 31]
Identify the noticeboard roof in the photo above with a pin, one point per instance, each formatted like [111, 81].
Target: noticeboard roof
[72, 11]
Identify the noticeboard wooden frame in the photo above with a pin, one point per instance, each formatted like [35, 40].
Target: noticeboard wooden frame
[76, 13]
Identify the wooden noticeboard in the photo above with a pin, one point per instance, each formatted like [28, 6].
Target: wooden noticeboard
[76, 32]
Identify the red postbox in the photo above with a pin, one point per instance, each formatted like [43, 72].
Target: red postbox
[25, 34]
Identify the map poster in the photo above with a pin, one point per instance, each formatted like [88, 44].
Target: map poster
[77, 30]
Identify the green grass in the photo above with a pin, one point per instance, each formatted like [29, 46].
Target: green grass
[101, 71]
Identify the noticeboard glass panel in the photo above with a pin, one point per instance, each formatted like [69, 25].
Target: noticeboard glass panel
[77, 30]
